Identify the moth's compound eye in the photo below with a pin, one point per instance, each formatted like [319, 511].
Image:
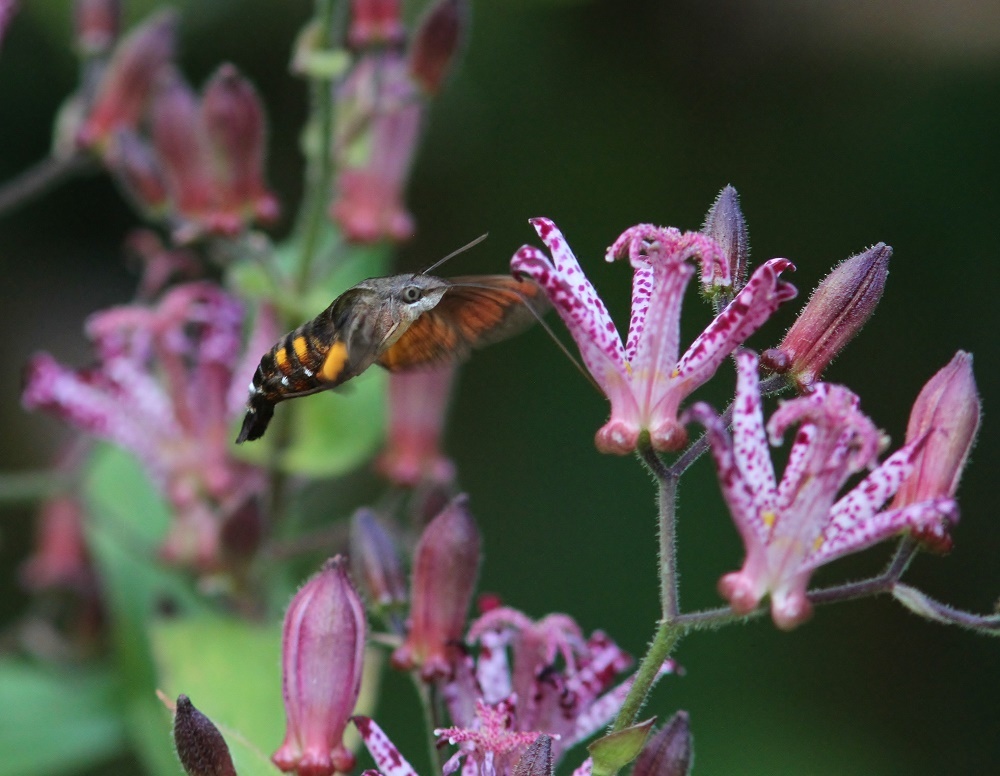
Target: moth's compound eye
[411, 294]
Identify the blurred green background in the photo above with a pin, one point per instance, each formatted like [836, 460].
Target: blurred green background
[840, 123]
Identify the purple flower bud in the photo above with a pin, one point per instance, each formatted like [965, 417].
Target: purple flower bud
[137, 170]
[444, 575]
[725, 224]
[375, 22]
[322, 655]
[841, 304]
[200, 746]
[376, 560]
[137, 63]
[537, 759]
[669, 752]
[435, 42]
[946, 416]
[235, 128]
[96, 24]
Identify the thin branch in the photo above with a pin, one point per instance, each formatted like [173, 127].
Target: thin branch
[42, 177]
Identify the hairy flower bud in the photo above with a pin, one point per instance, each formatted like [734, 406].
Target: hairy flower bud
[537, 759]
[137, 63]
[200, 746]
[444, 576]
[234, 125]
[375, 22]
[946, 416]
[841, 304]
[435, 42]
[322, 655]
[96, 24]
[376, 561]
[669, 752]
[725, 224]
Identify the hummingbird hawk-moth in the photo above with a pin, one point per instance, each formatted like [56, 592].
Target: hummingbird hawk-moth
[399, 322]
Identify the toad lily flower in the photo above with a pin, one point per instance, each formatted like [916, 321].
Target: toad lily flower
[531, 679]
[169, 381]
[792, 527]
[644, 379]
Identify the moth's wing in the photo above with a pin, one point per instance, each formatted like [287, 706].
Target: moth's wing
[475, 311]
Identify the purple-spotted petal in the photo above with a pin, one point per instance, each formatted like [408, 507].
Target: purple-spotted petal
[642, 290]
[387, 757]
[753, 305]
[588, 321]
[932, 518]
[749, 436]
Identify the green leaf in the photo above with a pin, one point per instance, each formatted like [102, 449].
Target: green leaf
[616, 750]
[126, 524]
[336, 431]
[55, 722]
[231, 671]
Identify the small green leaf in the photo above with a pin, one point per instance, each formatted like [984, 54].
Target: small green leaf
[55, 722]
[336, 431]
[616, 750]
[231, 671]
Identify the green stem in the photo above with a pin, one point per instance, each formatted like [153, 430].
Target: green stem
[428, 703]
[659, 650]
[31, 486]
[319, 172]
[667, 505]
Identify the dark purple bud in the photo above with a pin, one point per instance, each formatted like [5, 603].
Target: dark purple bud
[135, 66]
[374, 23]
[841, 304]
[725, 224]
[537, 759]
[96, 24]
[436, 41]
[376, 560]
[668, 753]
[200, 746]
[445, 566]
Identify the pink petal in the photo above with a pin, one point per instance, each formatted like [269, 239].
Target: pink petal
[387, 757]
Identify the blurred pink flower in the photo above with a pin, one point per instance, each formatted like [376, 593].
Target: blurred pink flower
[792, 527]
[163, 389]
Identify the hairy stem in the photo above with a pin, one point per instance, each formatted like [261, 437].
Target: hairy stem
[659, 650]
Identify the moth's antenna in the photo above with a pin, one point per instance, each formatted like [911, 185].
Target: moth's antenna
[548, 329]
[453, 254]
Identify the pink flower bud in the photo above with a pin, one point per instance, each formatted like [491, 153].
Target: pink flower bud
[418, 402]
[96, 24]
[946, 416]
[137, 170]
[841, 304]
[200, 746]
[128, 81]
[444, 575]
[322, 655]
[60, 556]
[435, 42]
[235, 128]
[375, 22]
[669, 752]
[179, 146]
[725, 224]
[376, 560]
